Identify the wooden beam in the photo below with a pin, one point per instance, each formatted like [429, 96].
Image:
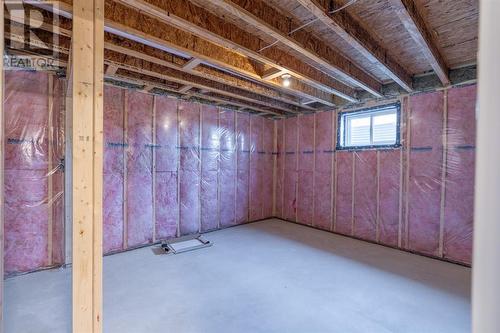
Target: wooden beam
[345, 26]
[17, 17]
[36, 43]
[141, 73]
[88, 47]
[170, 74]
[132, 25]
[111, 69]
[414, 23]
[272, 73]
[185, 89]
[192, 64]
[170, 60]
[200, 22]
[211, 97]
[275, 24]
[149, 87]
[147, 53]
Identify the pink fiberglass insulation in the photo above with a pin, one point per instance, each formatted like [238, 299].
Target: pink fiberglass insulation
[365, 195]
[324, 153]
[343, 208]
[113, 169]
[290, 173]
[26, 220]
[190, 167]
[227, 168]
[389, 196]
[139, 168]
[167, 204]
[280, 159]
[256, 160]
[267, 167]
[305, 190]
[459, 195]
[26, 171]
[210, 145]
[425, 167]
[243, 167]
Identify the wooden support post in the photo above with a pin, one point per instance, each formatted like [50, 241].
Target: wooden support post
[153, 173]
[88, 68]
[125, 170]
[50, 170]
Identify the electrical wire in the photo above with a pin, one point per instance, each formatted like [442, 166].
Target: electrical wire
[309, 23]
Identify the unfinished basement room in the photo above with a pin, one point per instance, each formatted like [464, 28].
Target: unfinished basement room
[237, 166]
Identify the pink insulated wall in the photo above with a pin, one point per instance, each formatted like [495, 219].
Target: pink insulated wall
[418, 197]
[34, 180]
[173, 168]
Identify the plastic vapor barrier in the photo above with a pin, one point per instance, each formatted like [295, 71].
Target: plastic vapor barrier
[173, 168]
[418, 197]
[34, 171]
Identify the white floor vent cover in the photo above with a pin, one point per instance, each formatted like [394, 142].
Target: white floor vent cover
[183, 244]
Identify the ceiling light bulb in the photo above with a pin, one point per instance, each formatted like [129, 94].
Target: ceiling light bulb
[286, 80]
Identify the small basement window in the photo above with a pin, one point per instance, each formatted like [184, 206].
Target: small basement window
[370, 128]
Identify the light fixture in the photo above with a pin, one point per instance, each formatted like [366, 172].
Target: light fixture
[286, 80]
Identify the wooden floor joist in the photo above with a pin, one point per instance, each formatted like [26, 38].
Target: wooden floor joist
[212, 97]
[345, 26]
[88, 53]
[275, 24]
[170, 74]
[140, 51]
[408, 13]
[200, 22]
[130, 24]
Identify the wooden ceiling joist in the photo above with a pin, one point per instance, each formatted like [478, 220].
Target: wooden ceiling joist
[217, 99]
[345, 26]
[179, 63]
[169, 74]
[140, 28]
[272, 73]
[409, 15]
[185, 89]
[141, 52]
[111, 70]
[34, 22]
[201, 80]
[265, 18]
[191, 64]
[200, 22]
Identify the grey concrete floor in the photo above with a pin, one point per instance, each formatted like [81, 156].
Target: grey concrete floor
[270, 276]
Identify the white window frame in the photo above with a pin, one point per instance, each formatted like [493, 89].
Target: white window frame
[346, 117]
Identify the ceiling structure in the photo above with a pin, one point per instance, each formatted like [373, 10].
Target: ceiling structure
[234, 53]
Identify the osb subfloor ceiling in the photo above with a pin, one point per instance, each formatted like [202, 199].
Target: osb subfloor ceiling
[234, 53]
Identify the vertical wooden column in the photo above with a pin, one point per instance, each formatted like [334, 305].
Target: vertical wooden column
[88, 56]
